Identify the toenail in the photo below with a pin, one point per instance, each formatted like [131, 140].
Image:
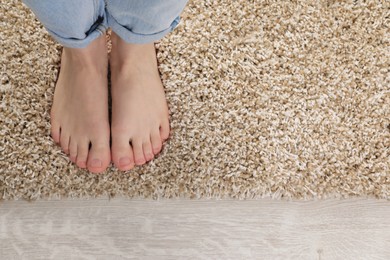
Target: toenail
[140, 161]
[124, 161]
[82, 164]
[96, 163]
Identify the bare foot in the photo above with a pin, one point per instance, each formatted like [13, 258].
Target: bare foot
[140, 117]
[79, 115]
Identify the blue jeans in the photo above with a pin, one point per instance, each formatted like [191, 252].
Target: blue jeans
[76, 23]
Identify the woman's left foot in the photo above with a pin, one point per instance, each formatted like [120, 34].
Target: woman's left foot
[140, 117]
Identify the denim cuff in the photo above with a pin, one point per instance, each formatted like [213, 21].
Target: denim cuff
[97, 30]
[138, 38]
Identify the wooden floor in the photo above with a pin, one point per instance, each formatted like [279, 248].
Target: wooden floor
[190, 229]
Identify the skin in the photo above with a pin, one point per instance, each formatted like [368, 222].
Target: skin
[79, 115]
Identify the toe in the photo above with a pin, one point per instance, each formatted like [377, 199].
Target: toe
[64, 141]
[55, 132]
[122, 154]
[138, 152]
[99, 156]
[164, 130]
[82, 154]
[155, 138]
[148, 153]
[73, 150]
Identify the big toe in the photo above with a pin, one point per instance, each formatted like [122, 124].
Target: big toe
[98, 157]
[122, 154]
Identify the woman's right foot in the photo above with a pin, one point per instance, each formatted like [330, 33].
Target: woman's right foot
[79, 115]
[140, 115]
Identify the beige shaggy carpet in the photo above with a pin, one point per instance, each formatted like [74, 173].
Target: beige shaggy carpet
[288, 99]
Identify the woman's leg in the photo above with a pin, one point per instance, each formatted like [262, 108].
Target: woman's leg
[72, 23]
[140, 117]
[79, 115]
[143, 21]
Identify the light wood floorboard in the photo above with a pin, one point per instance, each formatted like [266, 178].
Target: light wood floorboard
[195, 229]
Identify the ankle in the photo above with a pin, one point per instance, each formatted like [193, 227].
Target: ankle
[125, 54]
[95, 54]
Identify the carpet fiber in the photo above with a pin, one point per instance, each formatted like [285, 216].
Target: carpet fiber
[288, 99]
